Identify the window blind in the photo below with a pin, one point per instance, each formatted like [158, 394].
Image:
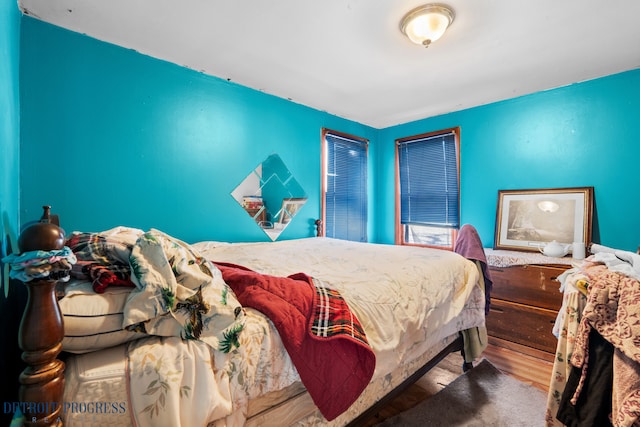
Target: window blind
[429, 181]
[346, 188]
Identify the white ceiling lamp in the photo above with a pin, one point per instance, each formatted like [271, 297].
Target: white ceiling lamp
[426, 24]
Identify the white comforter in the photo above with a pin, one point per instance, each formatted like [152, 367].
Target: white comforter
[401, 294]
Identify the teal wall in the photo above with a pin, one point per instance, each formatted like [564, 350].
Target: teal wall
[12, 304]
[111, 137]
[9, 120]
[585, 134]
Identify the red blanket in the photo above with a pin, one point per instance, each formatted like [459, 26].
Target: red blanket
[322, 336]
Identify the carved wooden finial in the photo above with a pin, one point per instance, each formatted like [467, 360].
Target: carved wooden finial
[42, 235]
[319, 231]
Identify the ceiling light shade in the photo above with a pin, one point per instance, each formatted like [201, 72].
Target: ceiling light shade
[426, 24]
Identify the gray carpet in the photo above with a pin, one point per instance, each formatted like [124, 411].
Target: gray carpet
[483, 396]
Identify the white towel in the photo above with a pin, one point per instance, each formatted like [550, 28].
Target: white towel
[623, 262]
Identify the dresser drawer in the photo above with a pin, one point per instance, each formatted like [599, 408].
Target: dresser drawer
[522, 324]
[528, 284]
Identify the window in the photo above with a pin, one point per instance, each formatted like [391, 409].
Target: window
[427, 195]
[344, 186]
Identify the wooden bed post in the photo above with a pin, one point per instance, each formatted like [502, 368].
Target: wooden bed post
[41, 333]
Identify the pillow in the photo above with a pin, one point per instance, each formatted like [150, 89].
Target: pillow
[93, 321]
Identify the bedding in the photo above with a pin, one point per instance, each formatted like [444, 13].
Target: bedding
[165, 381]
[197, 355]
[322, 336]
[389, 288]
[102, 376]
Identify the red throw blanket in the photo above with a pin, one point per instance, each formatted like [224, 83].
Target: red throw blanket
[323, 337]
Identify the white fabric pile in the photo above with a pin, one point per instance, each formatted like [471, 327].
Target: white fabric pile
[623, 262]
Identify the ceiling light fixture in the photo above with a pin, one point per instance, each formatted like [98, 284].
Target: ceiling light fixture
[426, 24]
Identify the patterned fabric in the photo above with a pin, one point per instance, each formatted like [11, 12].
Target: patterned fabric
[566, 328]
[333, 317]
[179, 293]
[180, 296]
[175, 383]
[611, 306]
[338, 361]
[104, 260]
[502, 258]
[613, 309]
[33, 265]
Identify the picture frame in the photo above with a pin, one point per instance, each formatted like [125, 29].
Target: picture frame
[528, 219]
[290, 207]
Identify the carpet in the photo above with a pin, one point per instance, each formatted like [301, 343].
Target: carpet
[483, 396]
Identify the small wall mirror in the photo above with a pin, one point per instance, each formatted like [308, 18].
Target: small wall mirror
[271, 196]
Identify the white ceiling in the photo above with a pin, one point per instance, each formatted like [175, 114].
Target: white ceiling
[348, 57]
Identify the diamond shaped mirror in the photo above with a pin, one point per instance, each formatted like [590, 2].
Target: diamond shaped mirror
[270, 195]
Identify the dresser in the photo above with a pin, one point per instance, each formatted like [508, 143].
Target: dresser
[525, 301]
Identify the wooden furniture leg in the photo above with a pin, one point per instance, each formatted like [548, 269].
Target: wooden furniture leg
[41, 333]
[40, 338]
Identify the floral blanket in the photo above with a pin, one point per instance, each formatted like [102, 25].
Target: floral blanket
[321, 334]
[180, 294]
[179, 374]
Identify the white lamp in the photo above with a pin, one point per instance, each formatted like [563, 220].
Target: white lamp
[426, 24]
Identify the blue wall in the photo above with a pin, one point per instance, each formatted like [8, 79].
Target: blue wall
[580, 135]
[111, 137]
[11, 305]
[9, 120]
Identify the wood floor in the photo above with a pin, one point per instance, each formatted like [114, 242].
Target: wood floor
[532, 370]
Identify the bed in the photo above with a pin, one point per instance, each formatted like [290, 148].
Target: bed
[349, 326]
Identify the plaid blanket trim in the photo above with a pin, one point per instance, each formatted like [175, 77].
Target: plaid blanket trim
[333, 316]
[98, 259]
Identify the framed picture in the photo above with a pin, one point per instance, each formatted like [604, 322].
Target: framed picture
[528, 219]
[290, 207]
